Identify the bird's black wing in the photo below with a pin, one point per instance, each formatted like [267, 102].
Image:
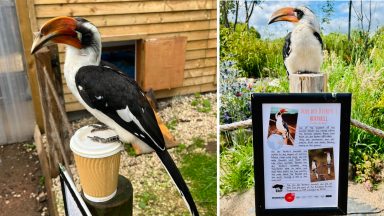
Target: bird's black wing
[120, 98]
[287, 49]
[317, 35]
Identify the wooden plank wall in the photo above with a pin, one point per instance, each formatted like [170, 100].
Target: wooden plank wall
[133, 20]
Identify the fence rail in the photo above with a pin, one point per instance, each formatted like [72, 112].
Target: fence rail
[56, 125]
[354, 122]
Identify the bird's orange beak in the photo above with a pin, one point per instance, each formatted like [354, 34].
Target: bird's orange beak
[283, 110]
[284, 14]
[57, 30]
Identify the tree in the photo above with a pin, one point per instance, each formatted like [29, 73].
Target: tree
[226, 7]
[249, 6]
[327, 9]
[237, 2]
[349, 20]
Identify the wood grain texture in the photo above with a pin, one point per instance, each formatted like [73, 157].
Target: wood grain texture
[81, 1]
[145, 19]
[25, 27]
[307, 83]
[84, 9]
[42, 154]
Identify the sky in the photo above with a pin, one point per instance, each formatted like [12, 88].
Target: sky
[338, 19]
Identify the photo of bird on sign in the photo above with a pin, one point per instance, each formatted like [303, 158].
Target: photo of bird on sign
[321, 164]
[282, 127]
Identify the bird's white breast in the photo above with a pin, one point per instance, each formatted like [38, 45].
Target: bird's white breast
[306, 53]
[279, 124]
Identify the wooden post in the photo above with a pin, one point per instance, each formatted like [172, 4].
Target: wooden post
[307, 83]
[23, 10]
[120, 205]
[45, 168]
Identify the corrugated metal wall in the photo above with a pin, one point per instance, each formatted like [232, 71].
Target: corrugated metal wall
[16, 111]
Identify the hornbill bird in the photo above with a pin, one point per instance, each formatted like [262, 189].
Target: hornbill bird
[281, 125]
[108, 94]
[302, 51]
[329, 161]
[314, 168]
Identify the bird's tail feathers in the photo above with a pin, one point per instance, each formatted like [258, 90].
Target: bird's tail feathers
[178, 180]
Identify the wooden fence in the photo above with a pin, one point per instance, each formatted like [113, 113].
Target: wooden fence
[55, 149]
[56, 125]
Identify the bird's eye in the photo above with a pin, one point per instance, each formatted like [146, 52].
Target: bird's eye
[299, 13]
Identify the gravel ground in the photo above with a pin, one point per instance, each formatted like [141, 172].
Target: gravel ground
[154, 192]
[22, 189]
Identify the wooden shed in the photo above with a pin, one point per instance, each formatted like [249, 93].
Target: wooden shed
[147, 29]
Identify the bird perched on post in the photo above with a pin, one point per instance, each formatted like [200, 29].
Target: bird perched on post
[281, 125]
[302, 51]
[108, 94]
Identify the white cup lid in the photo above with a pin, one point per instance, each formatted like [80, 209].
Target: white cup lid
[83, 146]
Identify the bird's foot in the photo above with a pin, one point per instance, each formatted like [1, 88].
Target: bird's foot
[97, 127]
[105, 140]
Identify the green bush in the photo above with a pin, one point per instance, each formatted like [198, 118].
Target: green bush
[252, 55]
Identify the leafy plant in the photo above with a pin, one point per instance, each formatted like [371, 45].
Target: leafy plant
[236, 164]
[145, 198]
[29, 147]
[171, 125]
[129, 149]
[201, 104]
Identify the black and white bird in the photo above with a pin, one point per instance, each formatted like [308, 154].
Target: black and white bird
[281, 125]
[329, 161]
[108, 94]
[314, 168]
[303, 48]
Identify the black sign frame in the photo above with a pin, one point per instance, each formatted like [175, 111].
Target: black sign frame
[65, 181]
[258, 99]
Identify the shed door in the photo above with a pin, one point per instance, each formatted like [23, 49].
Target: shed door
[16, 110]
[161, 63]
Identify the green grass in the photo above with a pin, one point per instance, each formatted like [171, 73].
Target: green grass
[198, 142]
[145, 198]
[200, 104]
[200, 171]
[236, 164]
[29, 147]
[129, 149]
[181, 147]
[171, 125]
[42, 181]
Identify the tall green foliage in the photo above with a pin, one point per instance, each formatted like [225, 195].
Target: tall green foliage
[253, 56]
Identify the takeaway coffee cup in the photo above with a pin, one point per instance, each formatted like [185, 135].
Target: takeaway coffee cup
[97, 163]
